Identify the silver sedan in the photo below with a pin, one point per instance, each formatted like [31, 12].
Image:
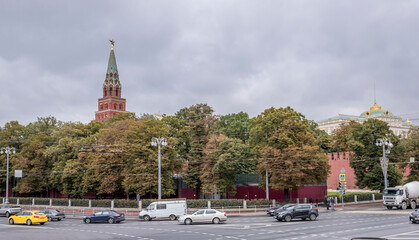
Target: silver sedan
[204, 215]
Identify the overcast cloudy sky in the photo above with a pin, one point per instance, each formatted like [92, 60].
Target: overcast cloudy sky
[319, 57]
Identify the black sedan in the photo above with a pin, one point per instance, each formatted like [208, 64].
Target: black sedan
[109, 216]
[414, 216]
[54, 214]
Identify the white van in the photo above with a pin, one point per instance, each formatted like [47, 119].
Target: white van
[164, 209]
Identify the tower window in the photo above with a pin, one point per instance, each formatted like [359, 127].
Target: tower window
[106, 106]
[114, 106]
[110, 92]
[101, 107]
[116, 92]
[120, 106]
[104, 92]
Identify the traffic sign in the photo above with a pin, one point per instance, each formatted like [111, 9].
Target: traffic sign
[342, 177]
[138, 197]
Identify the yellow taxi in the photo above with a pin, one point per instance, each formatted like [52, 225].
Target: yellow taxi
[29, 217]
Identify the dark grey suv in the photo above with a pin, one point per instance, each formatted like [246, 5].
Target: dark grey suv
[302, 211]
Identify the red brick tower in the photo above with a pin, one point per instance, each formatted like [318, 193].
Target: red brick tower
[111, 103]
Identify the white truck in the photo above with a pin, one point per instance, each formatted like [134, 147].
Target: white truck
[402, 196]
[164, 209]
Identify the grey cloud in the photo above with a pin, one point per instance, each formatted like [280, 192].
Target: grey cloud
[319, 57]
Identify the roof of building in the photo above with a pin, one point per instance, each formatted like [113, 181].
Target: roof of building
[375, 112]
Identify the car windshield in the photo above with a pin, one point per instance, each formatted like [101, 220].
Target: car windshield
[392, 192]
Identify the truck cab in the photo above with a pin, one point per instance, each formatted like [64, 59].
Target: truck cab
[394, 197]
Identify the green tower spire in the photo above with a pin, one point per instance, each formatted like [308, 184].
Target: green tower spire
[112, 76]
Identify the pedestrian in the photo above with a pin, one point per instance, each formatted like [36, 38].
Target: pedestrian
[332, 202]
[311, 200]
[327, 203]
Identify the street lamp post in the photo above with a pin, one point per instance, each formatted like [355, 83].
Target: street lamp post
[8, 151]
[384, 162]
[158, 142]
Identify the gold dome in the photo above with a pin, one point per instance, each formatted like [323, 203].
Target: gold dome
[375, 107]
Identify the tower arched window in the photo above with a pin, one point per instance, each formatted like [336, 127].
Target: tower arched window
[114, 106]
[120, 106]
[101, 107]
[110, 91]
[106, 106]
[104, 92]
[116, 92]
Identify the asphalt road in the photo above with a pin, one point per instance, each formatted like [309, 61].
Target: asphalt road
[367, 222]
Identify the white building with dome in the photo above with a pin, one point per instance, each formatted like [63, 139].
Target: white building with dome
[397, 125]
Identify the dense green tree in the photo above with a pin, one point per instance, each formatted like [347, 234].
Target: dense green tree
[341, 137]
[286, 146]
[141, 170]
[410, 148]
[235, 125]
[201, 123]
[11, 135]
[365, 159]
[324, 140]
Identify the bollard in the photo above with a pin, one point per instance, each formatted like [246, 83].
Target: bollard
[298, 201]
[140, 205]
[355, 198]
[18, 200]
[373, 197]
[69, 204]
[33, 201]
[305, 200]
[274, 203]
[50, 202]
[90, 203]
[209, 204]
[112, 204]
[244, 204]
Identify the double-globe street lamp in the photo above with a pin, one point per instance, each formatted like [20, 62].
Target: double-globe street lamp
[8, 151]
[158, 142]
[384, 162]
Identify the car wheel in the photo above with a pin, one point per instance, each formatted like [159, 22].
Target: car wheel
[29, 222]
[188, 221]
[172, 217]
[7, 214]
[111, 220]
[42, 223]
[147, 218]
[404, 205]
[313, 217]
[287, 218]
[11, 221]
[389, 207]
[216, 220]
[88, 220]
